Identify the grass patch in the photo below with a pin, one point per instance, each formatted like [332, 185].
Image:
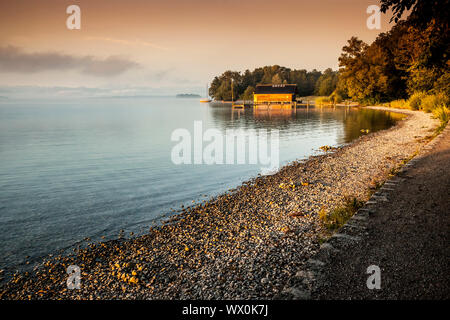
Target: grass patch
[375, 184]
[442, 113]
[337, 217]
[422, 101]
[436, 103]
[395, 170]
[440, 128]
[399, 104]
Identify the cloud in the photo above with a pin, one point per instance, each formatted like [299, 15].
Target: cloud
[14, 59]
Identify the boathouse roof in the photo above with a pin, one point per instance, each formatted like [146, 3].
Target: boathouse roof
[276, 89]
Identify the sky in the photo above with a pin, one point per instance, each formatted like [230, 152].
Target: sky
[139, 47]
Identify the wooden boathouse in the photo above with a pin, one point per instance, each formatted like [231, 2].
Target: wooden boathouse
[275, 94]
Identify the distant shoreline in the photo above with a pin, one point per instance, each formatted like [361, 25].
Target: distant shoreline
[187, 95]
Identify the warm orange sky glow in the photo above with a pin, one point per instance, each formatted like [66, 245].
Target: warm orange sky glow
[178, 43]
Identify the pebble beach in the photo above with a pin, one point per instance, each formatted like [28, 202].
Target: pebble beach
[243, 244]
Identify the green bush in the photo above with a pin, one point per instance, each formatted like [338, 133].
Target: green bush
[399, 104]
[442, 113]
[432, 101]
[415, 100]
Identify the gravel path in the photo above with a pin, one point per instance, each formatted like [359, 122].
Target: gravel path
[408, 237]
[246, 243]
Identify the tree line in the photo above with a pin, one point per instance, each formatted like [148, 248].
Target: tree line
[244, 83]
[412, 57]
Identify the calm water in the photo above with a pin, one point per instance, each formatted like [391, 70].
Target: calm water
[89, 168]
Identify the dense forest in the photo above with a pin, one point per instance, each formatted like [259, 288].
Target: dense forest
[308, 83]
[411, 61]
[412, 57]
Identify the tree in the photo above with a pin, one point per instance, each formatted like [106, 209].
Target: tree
[422, 11]
[276, 79]
[248, 93]
[412, 56]
[326, 83]
[422, 50]
[368, 72]
[221, 86]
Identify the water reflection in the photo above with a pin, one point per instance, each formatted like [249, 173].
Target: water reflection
[353, 119]
[362, 119]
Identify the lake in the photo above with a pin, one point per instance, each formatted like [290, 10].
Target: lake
[92, 167]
